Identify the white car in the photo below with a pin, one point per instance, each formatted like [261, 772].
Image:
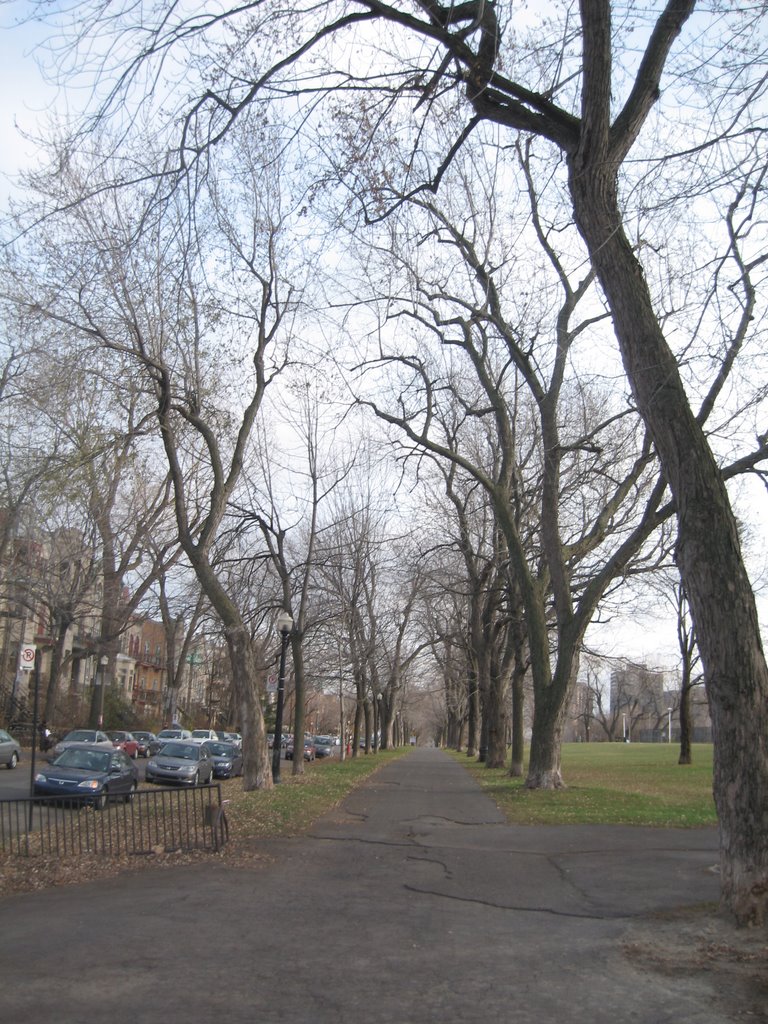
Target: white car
[165, 736]
[204, 736]
[94, 736]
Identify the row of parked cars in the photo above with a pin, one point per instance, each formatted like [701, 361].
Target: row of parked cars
[143, 744]
[93, 766]
[314, 746]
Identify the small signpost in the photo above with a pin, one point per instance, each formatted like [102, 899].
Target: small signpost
[27, 659]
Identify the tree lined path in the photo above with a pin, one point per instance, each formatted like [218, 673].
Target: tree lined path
[412, 901]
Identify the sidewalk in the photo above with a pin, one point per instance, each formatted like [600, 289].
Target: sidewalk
[413, 901]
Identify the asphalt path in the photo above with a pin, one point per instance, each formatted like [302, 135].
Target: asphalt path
[412, 901]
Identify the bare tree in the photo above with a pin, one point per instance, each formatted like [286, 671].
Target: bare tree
[149, 308]
[690, 678]
[548, 442]
[582, 89]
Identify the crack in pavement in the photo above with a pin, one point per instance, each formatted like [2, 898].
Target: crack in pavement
[433, 860]
[521, 909]
[408, 845]
[437, 819]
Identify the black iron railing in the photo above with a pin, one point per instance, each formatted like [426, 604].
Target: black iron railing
[150, 821]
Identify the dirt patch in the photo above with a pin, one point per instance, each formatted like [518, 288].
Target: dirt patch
[701, 941]
[33, 874]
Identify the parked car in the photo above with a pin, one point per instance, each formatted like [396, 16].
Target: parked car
[310, 751]
[227, 760]
[181, 761]
[235, 738]
[203, 735]
[89, 774]
[144, 739]
[10, 751]
[165, 736]
[125, 741]
[325, 746]
[95, 737]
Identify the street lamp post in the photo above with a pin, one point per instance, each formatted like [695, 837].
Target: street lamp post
[669, 727]
[103, 662]
[284, 627]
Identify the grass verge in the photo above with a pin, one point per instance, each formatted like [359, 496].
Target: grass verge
[610, 784]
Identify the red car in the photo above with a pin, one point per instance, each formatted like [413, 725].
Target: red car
[125, 741]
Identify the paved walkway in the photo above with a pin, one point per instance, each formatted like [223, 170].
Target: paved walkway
[411, 902]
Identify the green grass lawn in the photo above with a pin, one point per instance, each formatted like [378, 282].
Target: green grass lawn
[611, 784]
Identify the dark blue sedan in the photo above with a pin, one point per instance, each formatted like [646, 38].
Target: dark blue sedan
[90, 775]
[227, 760]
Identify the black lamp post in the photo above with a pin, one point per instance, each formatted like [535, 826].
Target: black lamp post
[284, 627]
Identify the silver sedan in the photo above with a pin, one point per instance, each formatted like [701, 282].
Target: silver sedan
[187, 763]
[10, 751]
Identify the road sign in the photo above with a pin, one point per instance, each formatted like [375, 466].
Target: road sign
[28, 657]
[271, 684]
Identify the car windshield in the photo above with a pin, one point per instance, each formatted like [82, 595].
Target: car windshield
[223, 749]
[169, 734]
[81, 736]
[89, 760]
[201, 734]
[118, 735]
[187, 751]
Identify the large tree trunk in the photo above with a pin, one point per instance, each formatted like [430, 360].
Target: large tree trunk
[708, 551]
[685, 725]
[473, 714]
[495, 712]
[518, 721]
[62, 624]
[257, 768]
[544, 770]
[299, 707]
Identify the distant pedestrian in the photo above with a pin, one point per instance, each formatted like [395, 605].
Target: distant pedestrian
[45, 736]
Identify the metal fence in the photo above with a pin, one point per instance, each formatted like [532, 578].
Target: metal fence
[151, 821]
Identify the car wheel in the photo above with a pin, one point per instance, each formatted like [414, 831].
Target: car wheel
[14, 760]
[101, 801]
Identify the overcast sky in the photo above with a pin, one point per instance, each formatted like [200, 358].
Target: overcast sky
[26, 100]
[26, 96]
